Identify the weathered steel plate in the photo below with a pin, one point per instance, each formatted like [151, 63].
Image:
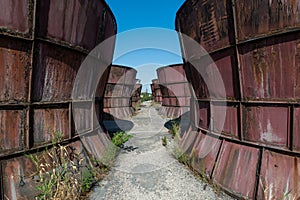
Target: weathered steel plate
[225, 61]
[204, 154]
[279, 176]
[266, 125]
[15, 63]
[269, 68]
[236, 169]
[12, 130]
[83, 117]
[16, 17]
[48, 123]
[76, 22]
[259, 18]
[55, 73]
[231, 123]
[18, 180]
[296, 130]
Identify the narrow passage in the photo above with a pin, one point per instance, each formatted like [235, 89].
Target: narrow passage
[148, 170]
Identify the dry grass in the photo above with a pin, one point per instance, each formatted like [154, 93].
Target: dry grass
[63, 173]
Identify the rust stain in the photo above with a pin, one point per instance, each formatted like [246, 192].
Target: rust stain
[47, 122]
[12, 135]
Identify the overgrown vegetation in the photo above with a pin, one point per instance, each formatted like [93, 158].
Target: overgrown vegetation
[120, 138]
[63, 173]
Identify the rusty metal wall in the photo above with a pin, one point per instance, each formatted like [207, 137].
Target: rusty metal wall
[136, 95]
[42, 45]
[256, 47]
[118, 92]
[156, 92]
[175, 90]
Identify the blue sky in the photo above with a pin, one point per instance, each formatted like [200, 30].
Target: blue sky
[133, 14]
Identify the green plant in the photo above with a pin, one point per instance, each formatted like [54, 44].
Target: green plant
[120, 138]
[88, 179]
[175, 129]
[61, 172]
[181, 156]
[164, 140]
[109, 155]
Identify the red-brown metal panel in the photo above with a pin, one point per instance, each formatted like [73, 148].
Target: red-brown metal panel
[95, 143]
[12, 130]
[280, 176]
[55, 73]
[83, 119]
[236, 169]
[202, 116]
[17, 18]
[15, 70]
[48, 122]
[118, 92]
[259, 18]
[207, 22]
[266, 125]
[257, 56]
[76, 22]
[225, 62]
[231, 123]
[296, 130]
[205, 154]
[269, 68]
[174, 86]
[42, 45]
[18, 182]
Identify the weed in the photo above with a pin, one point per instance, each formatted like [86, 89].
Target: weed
[175, 129]
[61, 172]
[109, 155]
[164, 140]
[181, 156]
[120, 138]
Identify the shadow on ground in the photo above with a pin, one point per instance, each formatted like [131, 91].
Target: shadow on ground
[183, 121]
[112, 124]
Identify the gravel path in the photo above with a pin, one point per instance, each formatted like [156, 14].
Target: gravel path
[150, 172]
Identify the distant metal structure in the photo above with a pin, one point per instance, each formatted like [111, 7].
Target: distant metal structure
[136, 94]
[175, 90]
[156, 92]
[256, 47]
[118, 92]
[42, 45]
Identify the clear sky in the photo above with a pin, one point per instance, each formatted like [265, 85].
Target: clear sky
[133, 14]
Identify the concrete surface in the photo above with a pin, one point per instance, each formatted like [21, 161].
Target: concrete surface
[146, 170]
